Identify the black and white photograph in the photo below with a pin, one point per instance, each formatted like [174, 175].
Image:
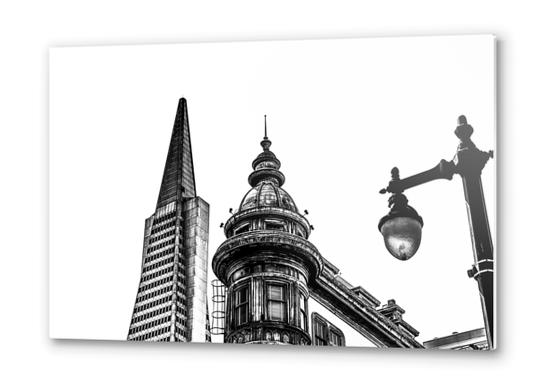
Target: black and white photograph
[314, 193]
[242, 191]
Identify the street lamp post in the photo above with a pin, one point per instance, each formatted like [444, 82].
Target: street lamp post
[401, 228]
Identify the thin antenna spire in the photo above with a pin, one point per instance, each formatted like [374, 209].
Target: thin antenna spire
[265, 125]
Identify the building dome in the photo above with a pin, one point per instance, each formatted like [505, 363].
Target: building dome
[267, 261]
[267, 206]
[267, 194]
[266, 181]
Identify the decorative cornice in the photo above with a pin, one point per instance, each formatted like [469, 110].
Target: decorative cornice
[267, 239]
[266, 174]
[267, 332]
[267, 212]
[359, 313]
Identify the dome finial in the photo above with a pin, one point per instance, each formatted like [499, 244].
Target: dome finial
[265, 143]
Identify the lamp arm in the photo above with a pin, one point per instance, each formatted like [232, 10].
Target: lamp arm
[468, 162]
[443, 170]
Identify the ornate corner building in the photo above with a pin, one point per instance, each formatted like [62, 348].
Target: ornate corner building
[271, 272]
[171, 302]
[267, 262]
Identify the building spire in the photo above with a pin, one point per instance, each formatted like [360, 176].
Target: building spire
[178, 180]
[265, 143]
[266, 166]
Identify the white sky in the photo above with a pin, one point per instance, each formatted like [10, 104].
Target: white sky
[341, 114]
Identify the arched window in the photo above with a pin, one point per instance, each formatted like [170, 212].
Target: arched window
[325, 333]
[336, 337]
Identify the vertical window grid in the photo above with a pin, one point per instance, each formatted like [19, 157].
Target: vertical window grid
[302, 312]
[320, 331]
[241, 305]
[276, 302]
[325, 333]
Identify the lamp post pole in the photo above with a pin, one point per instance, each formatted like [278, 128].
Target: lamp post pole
[468, 162]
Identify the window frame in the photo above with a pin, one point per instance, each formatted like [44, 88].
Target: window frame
[328, 328]
[278, 225]
[283, 302]
[237, 305]
[303, 319]
[323, 338]
[243, 228]
[340, 336]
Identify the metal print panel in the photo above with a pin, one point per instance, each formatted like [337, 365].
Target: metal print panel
[323, 193]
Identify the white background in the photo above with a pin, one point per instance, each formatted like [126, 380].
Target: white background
[28, 30]
[341, 113]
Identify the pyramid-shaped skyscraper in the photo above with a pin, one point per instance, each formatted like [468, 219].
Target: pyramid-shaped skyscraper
[171, 302]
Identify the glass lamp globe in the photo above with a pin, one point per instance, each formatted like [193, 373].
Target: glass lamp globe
[402, 236]
[401, 228]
